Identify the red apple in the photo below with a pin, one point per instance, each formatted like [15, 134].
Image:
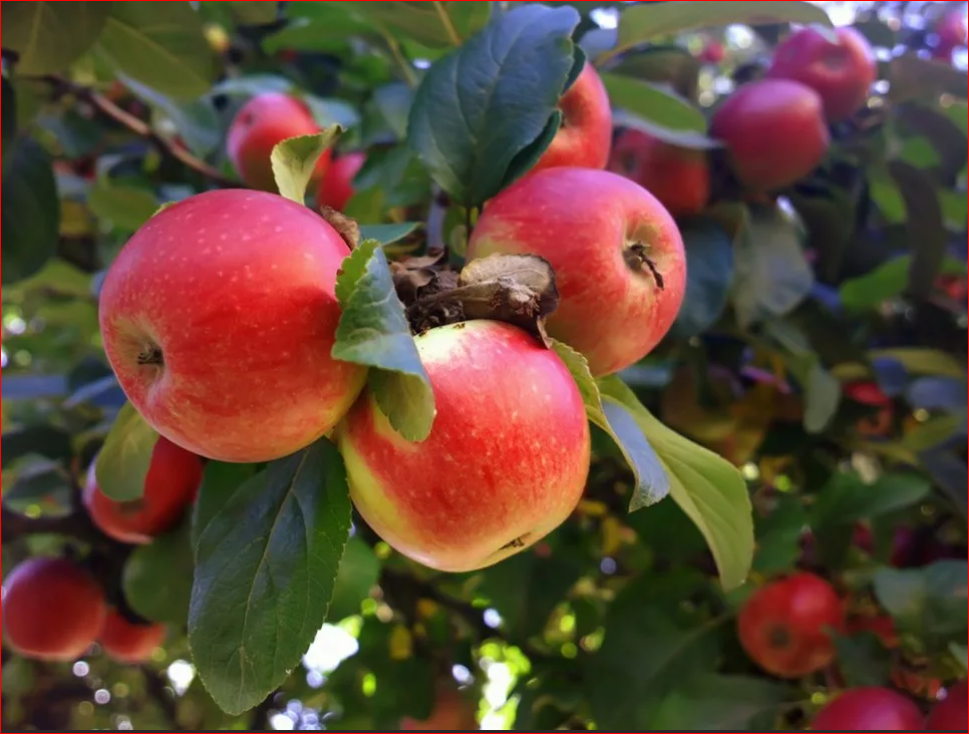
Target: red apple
[785, 626]
[336, 186]
[585, 135]
[841, 73]
[951, 32]
[952, 712]
[261, 123]
[173, 479]
[218, 317]
[869, 709]
[774, 130]
[130, 642]
[617, 255]
[52, 609]
[505, 462]
[712, 53]
[678, 177]
[452, 712]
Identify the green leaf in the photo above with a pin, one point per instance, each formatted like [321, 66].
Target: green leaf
[772, 274]
[912, 77]
[385, 234]
[433, 24]
[485, 103]
[662, 113]
[928, 602]
[48, 441]
[122, 464]
[863, 659]
[888, 280]
[126, 207]
[935, 431]
[9, 102]
[846, 498]
[250, 13]
[394, 101]
[707, 487]
[329, 111]
[219, 482]
[157, 578]
[779, 536]
[961, 654]
[47, 36]
[359, 572]
[31, 210]
[160, 45]
[641, 23]
[725, 702]
[265, 572]
[673, 66]
[709, 275]
[196, 120]
[294, 161]
[921, 361]
[652, 484]
[925, 223]
[373, 331]
[328, 30]
[822, 396]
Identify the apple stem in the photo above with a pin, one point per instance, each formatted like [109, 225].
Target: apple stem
[639, 262]
[151, 355]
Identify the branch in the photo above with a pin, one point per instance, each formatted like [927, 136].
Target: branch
[141, 128]
[76, 525]
[452, 32]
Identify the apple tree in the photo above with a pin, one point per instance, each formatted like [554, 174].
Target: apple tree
[437, 365]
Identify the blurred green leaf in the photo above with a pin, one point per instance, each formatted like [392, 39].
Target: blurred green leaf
[196, 120]
[709, 275]
[926, 225]
[669, 65]
[912, 77]
[923, 361]
[779, 536]
[359, 571]
[662, 113]
[330, 111]
[846, 498]
[122, 464]
[886, 281]
[294, 161]
[388, 233]
[47, 36]
[961, 654]
[31, 210]
[430, 23]
[863, 659]
[265, 572]
[157, 578]
[935, 431]
[718, 702]
[822, 395]
[9, 103]
[929, 602]
[54, 443]
[394, 102]
[126, 207]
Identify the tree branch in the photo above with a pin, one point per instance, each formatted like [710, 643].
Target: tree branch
[76, 525]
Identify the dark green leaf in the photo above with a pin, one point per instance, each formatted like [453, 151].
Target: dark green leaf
[124, 459]
[709, 275]
[250, 13]
[484, 103]
[388, 233]
[615, 419]
[219, 482]
[926, 226]
[718, 702]
[433, 24]
[941, 132]
[160, 45]
[31, 210]
[373, 331]
[829, 218]
[888, 280]
[126, 207]
[325, 33]
[863, 659]
[846, 498]
[47, 441]
[359, 571]
[9, 102]
[666, 115]
[47, 36]
[393, 101]
[779, 536]
[294, 161]
[707, 487]
[928, 601]
[157, 578]
[265, 572]
[877, 33]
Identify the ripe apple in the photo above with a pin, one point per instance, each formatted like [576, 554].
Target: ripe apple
[452, 712]
[784, 626]
[261, 123]
[952, 712]
[52, 609]
[336, 186]
[870, 394]
[505, 462]
[951, 31]
[616, 252]
[712, 53]
[173, 479]
[127, 641]
[586, 132]
[869, 709]
[678, 177]
[774, 130]
[841, 73]
[218, 317]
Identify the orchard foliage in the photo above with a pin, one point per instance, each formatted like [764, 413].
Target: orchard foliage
[797, 430]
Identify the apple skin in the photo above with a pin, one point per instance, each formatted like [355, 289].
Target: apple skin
[841, 73]
[52, 609]
[869, 709]
[775, 132]
[584, 222]
[261, 123]
[505, 462]
[452, 712]
[218, 317]
[678, 177]
[585, 135]
[952, 713]
[171, 484]
[783, 625]
[336, 186]
[952, 34]
[130, 642]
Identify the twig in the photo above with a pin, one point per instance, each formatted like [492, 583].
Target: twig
[141, 128]
[452, 32]
[405, 67]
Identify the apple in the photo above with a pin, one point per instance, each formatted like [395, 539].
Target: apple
[678, 177]
[172, 483]
[616, 252]
[869, 709]
[774, 130]
[505, 462]
[218, 317]
[336, 186]
[951, 31]
[784, 626]
[585, 135]
[841, 72]
[261, 123]
[452, 712]
[52, 609]
[130, 642]
[951, 713]
[712, 53]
